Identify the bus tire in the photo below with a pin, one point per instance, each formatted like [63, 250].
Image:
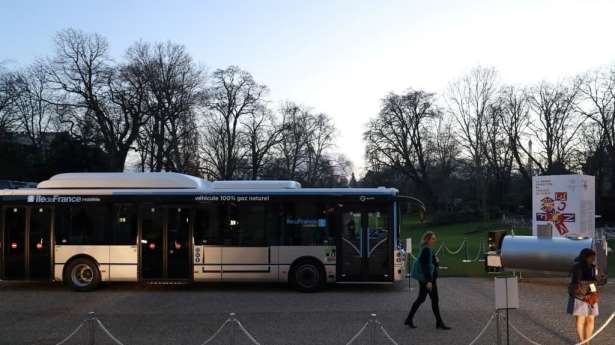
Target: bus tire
[308, 276]
[82, 274]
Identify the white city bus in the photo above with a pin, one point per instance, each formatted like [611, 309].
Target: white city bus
[87, 228]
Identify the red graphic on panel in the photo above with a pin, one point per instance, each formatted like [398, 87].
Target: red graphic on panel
[553, 212]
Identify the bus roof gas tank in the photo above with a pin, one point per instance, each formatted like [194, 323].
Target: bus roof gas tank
[532, 253]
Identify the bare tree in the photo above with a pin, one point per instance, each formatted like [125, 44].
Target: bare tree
[597, 91]
[471, 98]
[443, 146]
[304, 149]
[169, 85]
[398, 137]
[515, 122]
[262, 133]
[233, 96]
[498, 153]
[293, 141]
[554, 125]
[35, 114]
[444, 152]
[81, 70]
[319, 140]
[342, 169]
[7, 97]
[185, 142]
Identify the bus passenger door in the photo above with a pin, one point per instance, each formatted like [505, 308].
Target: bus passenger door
[39, 239]
[165, 245]
[379, 251]
[351, 257]
[364, 252]
[27, 243]
[178, 244]
[152, 243]
[14, 245]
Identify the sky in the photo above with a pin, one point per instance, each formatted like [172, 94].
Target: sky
[338, 57]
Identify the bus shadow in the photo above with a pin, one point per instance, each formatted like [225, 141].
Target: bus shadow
[265, 287]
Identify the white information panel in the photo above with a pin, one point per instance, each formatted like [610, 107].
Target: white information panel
[506, 293]
[563, 205]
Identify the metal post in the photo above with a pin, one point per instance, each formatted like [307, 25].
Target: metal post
[507, 324]
[232, 317]
[372, 335]
[91, 328]
[482, 249]
[507, 329]
[408, 275]
[467, 251]
[497, 327]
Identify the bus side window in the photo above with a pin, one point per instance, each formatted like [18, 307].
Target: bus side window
[125, 225]
[274, 213]
[244, 225]
[83, 225]
[206, 226]
[62, 225]
[308, 223]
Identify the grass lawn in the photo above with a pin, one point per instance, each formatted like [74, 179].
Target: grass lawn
[454, 234]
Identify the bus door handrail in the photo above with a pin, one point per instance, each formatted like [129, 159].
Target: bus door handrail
[415, 200]
[377, 245]
[353, 246]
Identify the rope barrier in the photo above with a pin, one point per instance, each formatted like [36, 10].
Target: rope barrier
[354, 337]
[455, 252]
[514, 328]
[440, 248]
[72, 334]
[480, 252]
[232, 320]
[386, 334]
[480, 334]
[209, 340]
[384, 331]
[604, 325]
[245, 331]
[376, 326]
[372, 321]
[114, 339]
[464, 245]
[93, 321]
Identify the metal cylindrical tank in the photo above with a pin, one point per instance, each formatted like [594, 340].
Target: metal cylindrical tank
[541, 254]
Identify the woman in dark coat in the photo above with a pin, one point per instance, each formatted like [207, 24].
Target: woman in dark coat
[584, 282]
[426, 272]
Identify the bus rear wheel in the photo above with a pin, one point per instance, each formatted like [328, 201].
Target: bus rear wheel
[308, 277]
[82, 274]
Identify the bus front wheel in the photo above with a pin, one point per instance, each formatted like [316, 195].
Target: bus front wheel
[308, 276]
[82, 274]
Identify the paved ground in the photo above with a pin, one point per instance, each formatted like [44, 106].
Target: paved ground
[45, 313]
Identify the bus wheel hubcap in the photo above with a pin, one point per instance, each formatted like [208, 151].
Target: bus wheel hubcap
[308, 276]
[82, 275]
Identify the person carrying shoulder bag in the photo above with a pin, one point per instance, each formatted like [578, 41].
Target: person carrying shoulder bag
[583, 293]
[425, 270]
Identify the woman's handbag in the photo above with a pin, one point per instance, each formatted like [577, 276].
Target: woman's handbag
[417, 270]
[591, 298]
